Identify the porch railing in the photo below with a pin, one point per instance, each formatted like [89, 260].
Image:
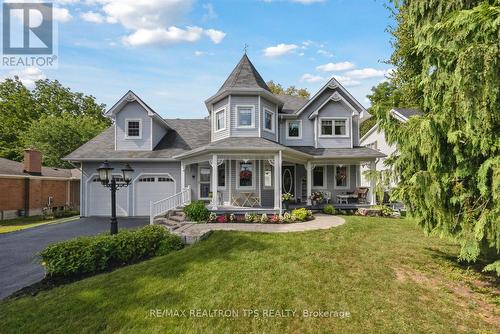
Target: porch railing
[163, 206]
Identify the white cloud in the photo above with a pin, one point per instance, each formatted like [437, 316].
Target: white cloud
[61, 14]
[307, 2]
[312, 78]
[346, 81]
[203, 53]
[331, 67]
[92, 17]
[325, 53]
[279, 50]
[367, 73]
[171, 35]
[28, 75]
[215, 35]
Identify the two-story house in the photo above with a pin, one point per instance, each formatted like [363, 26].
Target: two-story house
[253, 147]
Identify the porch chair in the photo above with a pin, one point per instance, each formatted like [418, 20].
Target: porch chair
[362, 193]
[328, 196]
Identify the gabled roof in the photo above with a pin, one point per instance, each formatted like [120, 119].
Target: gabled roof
[344, 93]
[244, 76]
[14, 168]
[130, 96]
[403, 114]
[184, 135]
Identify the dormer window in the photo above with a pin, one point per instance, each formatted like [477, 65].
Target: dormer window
[245, 116]
[220, 120]
[134, 129]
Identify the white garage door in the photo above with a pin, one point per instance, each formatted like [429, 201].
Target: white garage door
[151, 188]
[100, 200]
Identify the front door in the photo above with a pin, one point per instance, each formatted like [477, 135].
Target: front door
[288, 182]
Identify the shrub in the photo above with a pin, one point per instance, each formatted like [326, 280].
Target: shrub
[212, 217]
[196, 211]
[301, 214]
[384, 209]
[329, 209]
[221, 219]
[171, 242]
[93, 254]
[264, 219]
[276, 219]
[65, 213]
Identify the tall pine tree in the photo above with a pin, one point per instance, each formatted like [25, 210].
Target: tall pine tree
[447, 63]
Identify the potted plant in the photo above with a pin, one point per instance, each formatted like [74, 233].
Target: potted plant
[287, 198]
[317, 197]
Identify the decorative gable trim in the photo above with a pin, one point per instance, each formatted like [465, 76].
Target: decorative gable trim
[335, 97]
[333, 84]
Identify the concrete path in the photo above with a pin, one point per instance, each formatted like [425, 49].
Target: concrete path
[19, 263]
[192, 232]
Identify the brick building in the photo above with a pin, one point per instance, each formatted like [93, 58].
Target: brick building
[26, 188]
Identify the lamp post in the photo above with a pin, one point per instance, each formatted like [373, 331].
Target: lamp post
[106, 177]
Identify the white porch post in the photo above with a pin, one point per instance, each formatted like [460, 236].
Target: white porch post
[276, 183]
[309, 182]
[373, 197]
[183, 175]
[215, 182]
[280, 188]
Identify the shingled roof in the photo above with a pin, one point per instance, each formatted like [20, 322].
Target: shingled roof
[14, 168]
[244, 76]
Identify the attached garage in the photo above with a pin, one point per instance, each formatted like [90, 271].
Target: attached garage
[99, 199]
[151, 188]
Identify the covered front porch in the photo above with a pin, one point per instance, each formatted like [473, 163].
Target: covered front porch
[256, 181]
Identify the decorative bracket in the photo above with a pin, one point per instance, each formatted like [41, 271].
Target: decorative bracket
[271, 162]
[219, 162]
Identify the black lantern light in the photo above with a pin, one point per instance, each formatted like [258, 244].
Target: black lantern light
[106, 177]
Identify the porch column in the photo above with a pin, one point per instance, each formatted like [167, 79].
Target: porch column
[277, 196]
[215, 182]
[280, 179]
[309, 182]
[373, 197]
[183, 175]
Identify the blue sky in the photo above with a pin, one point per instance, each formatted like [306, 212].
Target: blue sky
[176, 53]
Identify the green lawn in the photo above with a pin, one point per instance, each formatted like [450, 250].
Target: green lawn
[12, 225]
[384, 272]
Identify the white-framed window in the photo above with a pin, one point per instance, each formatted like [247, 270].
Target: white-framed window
[319, 177]
[246, 175]
[245, 116]
[268, 175]
[334, 127]
[268, 120]
[220, 120]
[294, 129]
[204, 177]
[342, 177]
[133, 128]
[221, 176]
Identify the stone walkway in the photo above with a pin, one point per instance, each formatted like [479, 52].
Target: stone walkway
[192, 232]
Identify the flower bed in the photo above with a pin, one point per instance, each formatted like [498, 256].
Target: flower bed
[296, 216]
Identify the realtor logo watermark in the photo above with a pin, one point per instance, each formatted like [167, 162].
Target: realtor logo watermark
[28, 35]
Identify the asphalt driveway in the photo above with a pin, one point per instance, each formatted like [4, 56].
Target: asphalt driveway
[19, 265]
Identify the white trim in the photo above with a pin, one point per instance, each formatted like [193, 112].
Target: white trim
[325, 177]
[333, 119]
[348, 181]
[229, 113]
[288, 132]
[214, 114]
[127, 120]
[151, 133]
[135, 180]
[273, 124]
[259, 106]
[237, 173]
[316, 132]
[238, 126]
[373, 128]
[398, 116]
[115, 133]
[276, 123]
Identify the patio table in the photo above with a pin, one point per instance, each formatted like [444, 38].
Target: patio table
[344, 199]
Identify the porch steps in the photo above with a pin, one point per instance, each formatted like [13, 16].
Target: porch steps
[175, 223]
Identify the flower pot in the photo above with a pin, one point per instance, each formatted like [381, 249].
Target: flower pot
[286, 205]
